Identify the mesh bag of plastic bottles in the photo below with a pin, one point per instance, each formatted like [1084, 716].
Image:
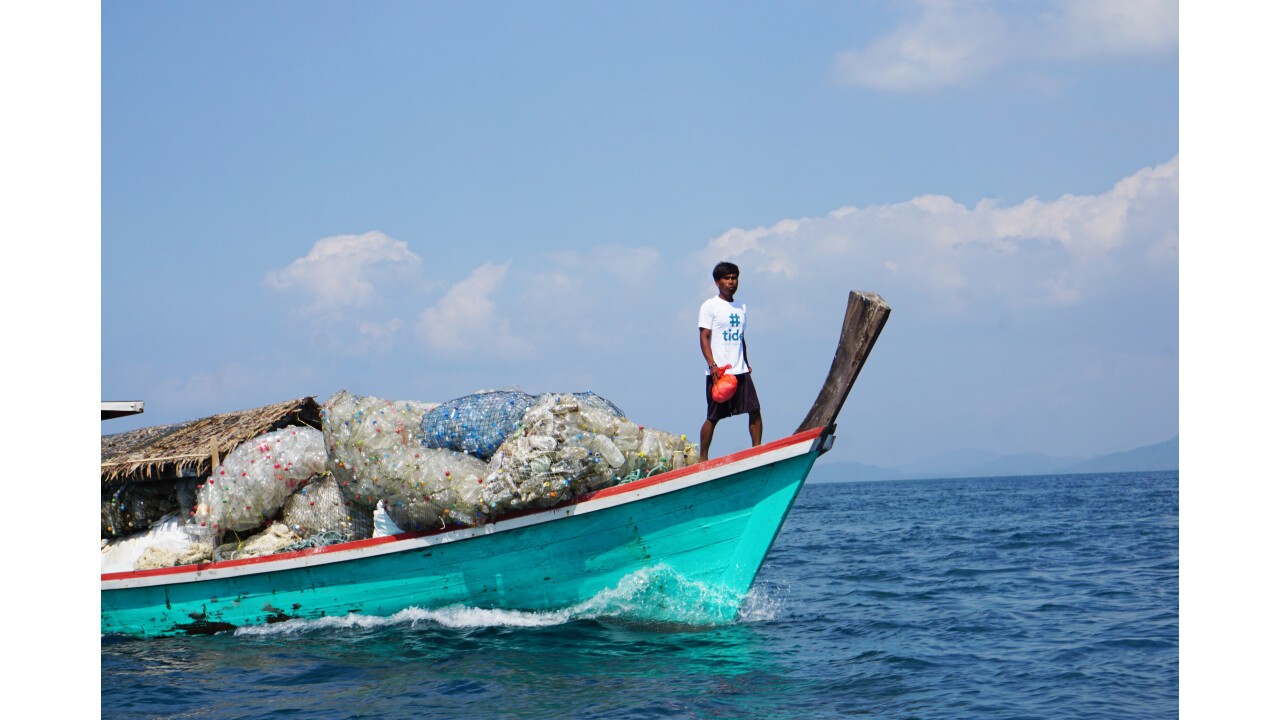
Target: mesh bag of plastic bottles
[132, 507]
[566, 446]
[249, 487]
[376, 454]
[438, 489]
[475, 424]
[371, 442]
[589, 399]
[661, 451]
[645, 451]
[318, 510]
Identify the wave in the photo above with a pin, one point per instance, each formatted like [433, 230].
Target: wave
[656, 597]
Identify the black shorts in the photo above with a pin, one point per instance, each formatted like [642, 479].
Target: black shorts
[744, 400]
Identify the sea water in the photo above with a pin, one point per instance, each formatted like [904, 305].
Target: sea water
[1010, 597]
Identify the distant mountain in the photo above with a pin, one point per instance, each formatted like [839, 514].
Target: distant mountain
[1161, 456]
[1021, 464]
[977, 463]
[947, 464]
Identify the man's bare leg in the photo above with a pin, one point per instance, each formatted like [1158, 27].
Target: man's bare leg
[708, 429]
[755, 423]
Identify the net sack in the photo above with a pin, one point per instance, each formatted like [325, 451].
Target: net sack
[318, 510]
[132, 507]
[568, 445]
[589, 399]
[371, 442]
[250, 486]
[475, 424]
[437, 489]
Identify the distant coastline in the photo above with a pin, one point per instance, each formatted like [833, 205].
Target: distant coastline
[1157, 457]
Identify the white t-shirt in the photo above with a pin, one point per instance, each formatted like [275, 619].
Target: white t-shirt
[728, 324]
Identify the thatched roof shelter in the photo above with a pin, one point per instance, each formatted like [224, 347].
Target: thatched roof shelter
[192, 449]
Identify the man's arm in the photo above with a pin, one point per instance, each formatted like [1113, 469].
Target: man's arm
[704, 337]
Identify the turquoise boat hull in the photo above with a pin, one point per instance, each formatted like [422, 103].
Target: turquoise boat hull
[711, 524]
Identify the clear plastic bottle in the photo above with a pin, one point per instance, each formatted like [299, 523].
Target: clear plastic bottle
[609, 451]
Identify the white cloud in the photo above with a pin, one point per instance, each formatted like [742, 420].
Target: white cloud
[611, 263]
[1087, 28]
[383, 330]
[586, 298]
[945, 45]
[351, 292]
[1034, 252]
[738, 242]
[344, 271]
[374, 337]
[948, 43]
[466, 320]
[355, 286]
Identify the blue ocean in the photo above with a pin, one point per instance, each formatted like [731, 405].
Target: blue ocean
[1009, 597]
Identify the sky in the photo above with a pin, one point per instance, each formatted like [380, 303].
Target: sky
[216, 206]
[423, 200]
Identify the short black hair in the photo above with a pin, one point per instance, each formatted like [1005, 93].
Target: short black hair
[723, 268]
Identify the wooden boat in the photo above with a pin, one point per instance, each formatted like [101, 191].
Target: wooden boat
[710, 524]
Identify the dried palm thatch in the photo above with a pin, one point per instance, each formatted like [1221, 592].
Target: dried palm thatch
[193, 448]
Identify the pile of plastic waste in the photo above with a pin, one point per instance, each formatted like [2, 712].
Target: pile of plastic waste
[568, 445]
[404, 465]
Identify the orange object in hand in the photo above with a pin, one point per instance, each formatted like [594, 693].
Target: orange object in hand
[725, 387]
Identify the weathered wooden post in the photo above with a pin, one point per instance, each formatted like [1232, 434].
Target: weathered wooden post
[864, 318]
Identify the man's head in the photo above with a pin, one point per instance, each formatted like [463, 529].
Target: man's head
[723, 268]
[726, 276]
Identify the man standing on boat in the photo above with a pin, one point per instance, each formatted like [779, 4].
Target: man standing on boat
[722, 329]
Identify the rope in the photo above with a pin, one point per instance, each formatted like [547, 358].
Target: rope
[640, 473]
[321, 539]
